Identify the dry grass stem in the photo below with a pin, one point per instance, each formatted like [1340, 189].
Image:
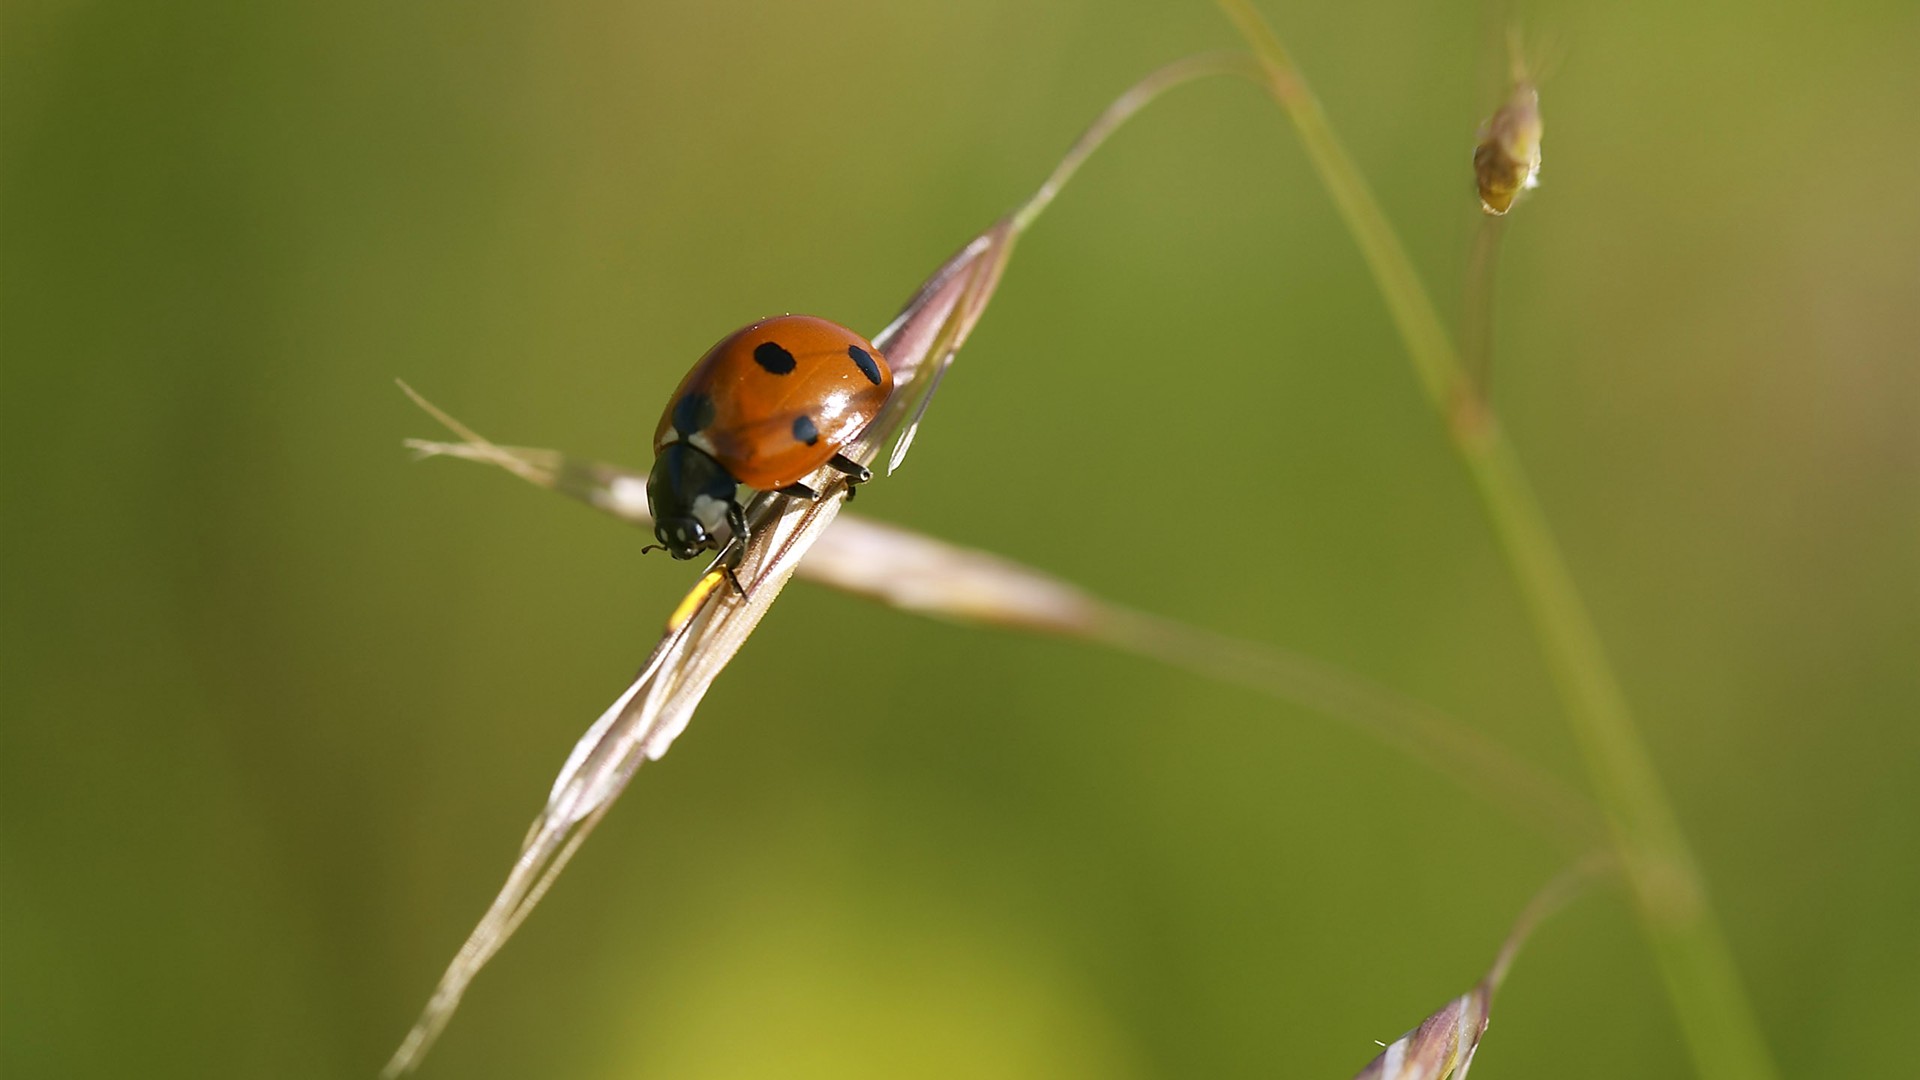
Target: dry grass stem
[918, 573]
[708, 628]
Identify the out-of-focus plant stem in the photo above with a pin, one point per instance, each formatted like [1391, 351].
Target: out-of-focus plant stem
[1669, 892]
[1476, 324]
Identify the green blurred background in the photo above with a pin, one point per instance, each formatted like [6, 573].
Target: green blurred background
[279, 703]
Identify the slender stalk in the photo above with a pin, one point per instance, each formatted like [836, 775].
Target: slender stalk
[1555, 895]
[1476, 325]
[1121, 110]
[1669, 893]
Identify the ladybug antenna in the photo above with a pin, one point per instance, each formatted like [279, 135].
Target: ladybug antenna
[653, 547]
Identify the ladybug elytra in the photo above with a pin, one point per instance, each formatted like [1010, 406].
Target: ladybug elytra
[769, 404]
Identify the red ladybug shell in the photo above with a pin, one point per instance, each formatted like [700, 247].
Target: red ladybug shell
[773, 401]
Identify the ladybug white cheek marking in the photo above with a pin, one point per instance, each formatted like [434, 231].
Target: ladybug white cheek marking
[628, 495]
[710, 512]
[701, 441]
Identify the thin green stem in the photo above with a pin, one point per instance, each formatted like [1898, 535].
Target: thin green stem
[1669, 892]
[1555, 895]
[1135, 98]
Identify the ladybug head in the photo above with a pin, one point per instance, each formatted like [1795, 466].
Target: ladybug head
[683, 537]
[689, 495]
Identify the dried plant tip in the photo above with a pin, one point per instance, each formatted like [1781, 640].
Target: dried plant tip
[1507, 160]
[1441, 1048]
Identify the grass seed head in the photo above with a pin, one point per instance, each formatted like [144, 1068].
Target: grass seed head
[1506, 162]
[1441, 1048]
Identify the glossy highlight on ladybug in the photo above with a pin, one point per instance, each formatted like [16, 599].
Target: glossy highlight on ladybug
[769, 404]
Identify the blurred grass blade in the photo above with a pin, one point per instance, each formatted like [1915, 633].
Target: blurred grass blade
[1669, 890]
[1476, 323]
[1442, 1047]
[918, 573]
[708, 628]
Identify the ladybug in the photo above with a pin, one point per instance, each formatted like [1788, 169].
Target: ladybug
[769, 404]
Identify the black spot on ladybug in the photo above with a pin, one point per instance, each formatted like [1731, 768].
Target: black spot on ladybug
[864, 360]
[692, 413]
[804, 431]
[775, 359]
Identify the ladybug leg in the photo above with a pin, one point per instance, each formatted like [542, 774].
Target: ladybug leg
[737, 521]
[855, 472]
[800, 491]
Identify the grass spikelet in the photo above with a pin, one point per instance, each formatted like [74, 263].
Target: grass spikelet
[1506, 160]
[709, 626]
